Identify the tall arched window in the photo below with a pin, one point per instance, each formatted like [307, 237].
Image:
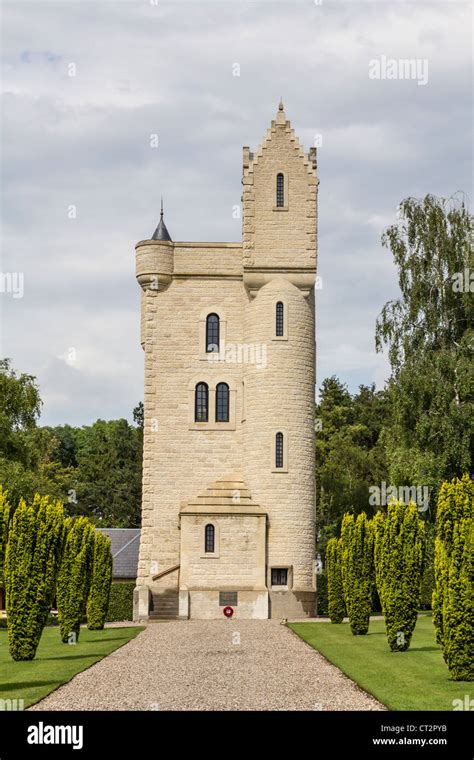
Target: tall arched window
[222, 402]
[279, 314]
[212, 333]
[280, 191]
[201, 403]
[209, 539]
[279, 450]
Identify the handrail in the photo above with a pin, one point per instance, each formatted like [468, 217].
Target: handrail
[165, 572]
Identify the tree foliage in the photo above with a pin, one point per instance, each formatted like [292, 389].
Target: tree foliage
[5, 514]
[95, 470]
[429, 334]
[349, 454]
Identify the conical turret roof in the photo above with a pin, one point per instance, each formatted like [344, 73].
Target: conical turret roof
[161, 232]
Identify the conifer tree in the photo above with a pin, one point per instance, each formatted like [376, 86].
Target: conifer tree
[357, 563]
[101, 581]
[5, 514]
[32, 560]
[399, 561]
[453, 605]
[74, 576]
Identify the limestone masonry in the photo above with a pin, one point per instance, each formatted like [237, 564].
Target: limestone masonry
[228, 331]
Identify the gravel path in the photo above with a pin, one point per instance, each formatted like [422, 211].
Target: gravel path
[212, 665]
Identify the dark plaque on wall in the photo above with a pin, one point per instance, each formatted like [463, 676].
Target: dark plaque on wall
[227, 598]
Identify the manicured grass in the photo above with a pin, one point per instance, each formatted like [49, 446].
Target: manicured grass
[417, 679]
[56, 663]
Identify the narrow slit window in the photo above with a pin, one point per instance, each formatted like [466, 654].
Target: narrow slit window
[209, 539]
[212, 334]
[279, 450]
[280, 191]
[201, 403]
[222, 402]
[279, 319]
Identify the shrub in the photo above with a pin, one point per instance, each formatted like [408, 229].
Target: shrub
[357, 563]
[322, 593]
[31, 564]
[336, 607]
[101, 579]
[74, 575]
[120, 602]
[399, 558]
[453, 608]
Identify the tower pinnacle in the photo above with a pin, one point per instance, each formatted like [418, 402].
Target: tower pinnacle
[281, 118]
[161, 233]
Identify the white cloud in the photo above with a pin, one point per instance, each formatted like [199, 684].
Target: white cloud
[167, 69]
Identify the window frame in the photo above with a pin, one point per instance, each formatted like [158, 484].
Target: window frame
[284, 433]
[285, 206]
[284, 301]
[201, 384]
[284, 570]
[217, 343]
[279, 319]
[280, 190]
[217, 418]
[202, 539]
[279, 450]
[209, 539]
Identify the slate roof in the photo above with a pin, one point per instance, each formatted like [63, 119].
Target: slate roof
[125, 546]
[161, 232]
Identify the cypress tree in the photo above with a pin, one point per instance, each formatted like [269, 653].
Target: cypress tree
[336, 607]
[74, 576]
[399, 562]
[101, 581]
[31, 564]
[357, 563]
[453, 606]
[5, 514]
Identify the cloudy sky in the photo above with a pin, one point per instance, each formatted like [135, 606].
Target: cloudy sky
[86, 84]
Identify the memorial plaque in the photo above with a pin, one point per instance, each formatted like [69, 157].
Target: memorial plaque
[227, 598]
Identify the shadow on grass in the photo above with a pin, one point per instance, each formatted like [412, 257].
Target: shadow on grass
[25, 685]
[126, 639]
[87, 656]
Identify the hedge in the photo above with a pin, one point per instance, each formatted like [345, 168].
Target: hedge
[322, 594]
[120, 602]
[336, 606]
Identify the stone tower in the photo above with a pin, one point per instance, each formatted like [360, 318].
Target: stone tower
[228, 330]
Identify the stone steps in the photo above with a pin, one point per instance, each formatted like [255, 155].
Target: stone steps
[164, 606]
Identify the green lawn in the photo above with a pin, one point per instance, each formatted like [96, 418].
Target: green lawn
[417, 679]
[55, 663]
